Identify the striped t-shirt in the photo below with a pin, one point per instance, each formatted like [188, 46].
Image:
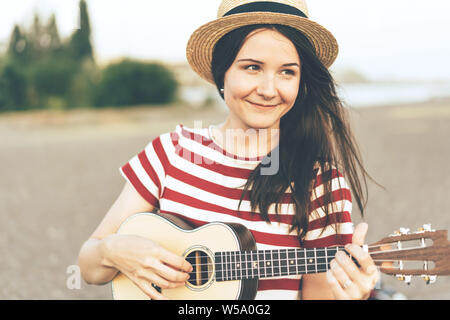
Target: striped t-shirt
[187, 173]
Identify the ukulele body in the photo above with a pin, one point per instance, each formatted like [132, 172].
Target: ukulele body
[198, 244]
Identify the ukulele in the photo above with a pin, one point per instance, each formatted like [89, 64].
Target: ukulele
[227, 265]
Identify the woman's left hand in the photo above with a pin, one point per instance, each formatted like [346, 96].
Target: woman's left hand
[347, 281]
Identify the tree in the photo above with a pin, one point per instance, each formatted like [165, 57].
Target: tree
[12, 88]
[37, 39]
[18, 46]
[54, 41]
[80, 43]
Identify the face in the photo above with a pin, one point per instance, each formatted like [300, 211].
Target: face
[263, 82]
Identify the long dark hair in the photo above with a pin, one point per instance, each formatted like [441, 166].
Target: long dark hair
[315, 131]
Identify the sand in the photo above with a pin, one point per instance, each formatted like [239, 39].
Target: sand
[59, 176]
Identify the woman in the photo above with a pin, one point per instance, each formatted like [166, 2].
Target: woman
[269, 63]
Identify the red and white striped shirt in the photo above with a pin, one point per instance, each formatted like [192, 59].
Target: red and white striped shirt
[188, 174]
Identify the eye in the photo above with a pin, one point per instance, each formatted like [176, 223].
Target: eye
[288, 72]
[252, 67]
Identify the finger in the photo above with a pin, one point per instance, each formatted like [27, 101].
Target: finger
[144, 280]
[170, 273]
[174, 260]
[363, 281]
[363, 257]
[152, 265]
[359, 234]
[335, 286]
[344, 279]
[348, 266]
[163, 283]
[150, 291]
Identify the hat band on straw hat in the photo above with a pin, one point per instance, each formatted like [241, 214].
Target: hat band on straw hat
[266, 6]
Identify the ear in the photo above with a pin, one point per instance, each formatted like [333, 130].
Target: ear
[359, 234]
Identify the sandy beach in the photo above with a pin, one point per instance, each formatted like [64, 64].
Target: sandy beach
[59, 176]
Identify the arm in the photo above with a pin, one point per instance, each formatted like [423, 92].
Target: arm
[106, 253]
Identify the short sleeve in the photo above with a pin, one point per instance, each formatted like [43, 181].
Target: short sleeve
[338, 230]
[145, 171]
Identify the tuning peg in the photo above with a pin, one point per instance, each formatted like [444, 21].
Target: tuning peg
[404, 230]
[401, 231]
[406, 279]
[429, 279]
[425, 228]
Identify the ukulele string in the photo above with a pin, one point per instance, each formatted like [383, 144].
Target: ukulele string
[265, 266]
[314, 265]
[235, 276]
[319, 250]
[396, 250]
[230, 267]
[244, 254]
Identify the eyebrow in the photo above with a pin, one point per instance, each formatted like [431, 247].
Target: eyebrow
[260, 62]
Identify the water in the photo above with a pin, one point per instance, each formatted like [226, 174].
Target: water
[376, 94]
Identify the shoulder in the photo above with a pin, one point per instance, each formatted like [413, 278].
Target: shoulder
[197, 134]
[165, 142]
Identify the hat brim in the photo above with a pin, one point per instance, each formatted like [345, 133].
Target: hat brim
[201, 44]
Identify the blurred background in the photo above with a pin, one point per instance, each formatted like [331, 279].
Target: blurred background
[85, 85]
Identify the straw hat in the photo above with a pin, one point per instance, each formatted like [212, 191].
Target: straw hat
[233, 14]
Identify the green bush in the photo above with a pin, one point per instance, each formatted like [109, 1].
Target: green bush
[131, 83]
[52, 77]
[13, 86]
[83, 85]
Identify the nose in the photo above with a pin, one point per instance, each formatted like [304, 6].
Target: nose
[267, 87]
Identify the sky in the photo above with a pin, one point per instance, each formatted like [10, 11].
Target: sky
[400, 39]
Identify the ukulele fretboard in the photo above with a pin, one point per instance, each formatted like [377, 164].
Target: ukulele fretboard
[238, 265]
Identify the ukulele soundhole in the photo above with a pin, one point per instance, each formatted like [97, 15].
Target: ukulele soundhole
[202, 263]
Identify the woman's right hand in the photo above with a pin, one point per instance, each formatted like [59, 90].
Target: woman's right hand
[145, 263]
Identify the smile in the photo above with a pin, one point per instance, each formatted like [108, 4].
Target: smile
[262, 105]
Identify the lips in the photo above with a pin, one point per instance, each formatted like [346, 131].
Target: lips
[262, 105]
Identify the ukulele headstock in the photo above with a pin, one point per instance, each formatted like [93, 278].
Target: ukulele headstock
[404, 254]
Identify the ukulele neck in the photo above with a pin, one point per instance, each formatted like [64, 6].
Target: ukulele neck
[238, 265]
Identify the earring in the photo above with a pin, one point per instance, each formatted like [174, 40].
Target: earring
[222, 90]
